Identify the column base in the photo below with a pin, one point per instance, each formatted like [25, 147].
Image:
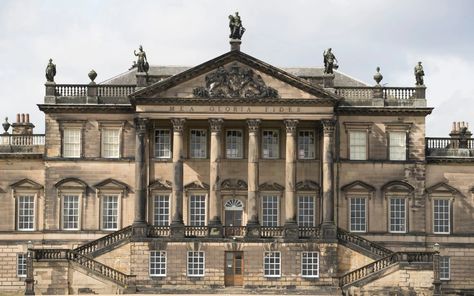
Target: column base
[328, 230]
[291, 230]
[253, 230]
[139, 230]
[215, 228]
[177, 230]
[30, 289]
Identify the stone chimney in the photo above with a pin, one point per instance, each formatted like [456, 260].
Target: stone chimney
[22, 126]
[459, 130]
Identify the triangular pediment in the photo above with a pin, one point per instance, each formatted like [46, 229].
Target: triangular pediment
[234, 75]
[112, 184]
[26, 184]
[358, 186]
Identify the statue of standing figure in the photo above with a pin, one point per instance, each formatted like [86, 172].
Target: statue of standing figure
[236, 28]
[142, 62]
[419, 73]
[330, 61]
[50, 71]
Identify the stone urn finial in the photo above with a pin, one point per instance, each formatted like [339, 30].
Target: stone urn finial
[92, 75]
[378, 77]
[6, 125]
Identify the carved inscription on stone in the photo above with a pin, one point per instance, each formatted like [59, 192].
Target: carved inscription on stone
[235, 83]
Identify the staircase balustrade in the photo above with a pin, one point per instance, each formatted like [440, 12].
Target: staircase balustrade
[361, 242]
[105, 241]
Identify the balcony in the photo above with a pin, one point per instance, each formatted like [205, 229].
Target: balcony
[22, 144]
[381, 96]
[449, 148]
[88, 93]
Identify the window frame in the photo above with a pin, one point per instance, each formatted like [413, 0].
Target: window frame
[119, 209]
[313, 145]
[351, 197]
[242, 140]
[317, 264]
[265, 270]
[450, 201]
[405, 201]
[165, 263]
[63, 142]
[34, 197]
[366, 145]
[314, 209]
[79, 209]
[103, 134]
[202, 272]
[389, 145]
[191, 151]
[204, 195]
[21, 264]
[441, 273]
[264, 195]
[170, 143]
[277, 145]
[153, 195]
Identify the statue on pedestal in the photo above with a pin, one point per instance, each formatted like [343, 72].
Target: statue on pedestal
[50, 71]
[330, 61]
[142, 62]
[236, 28]
[419, 73]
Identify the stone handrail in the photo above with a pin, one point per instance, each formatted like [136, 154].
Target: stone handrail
[449, 147]
[70, 90]
[355, 92]
[22, 140]
[399, 93]
[360, 273]
[105, 241]
[239, 231]
[195, 231]
[272, 231]
[383, 92]
[50, 254]
[361, 242]
[158, 231]
[109, 90]
[83, 90]
[309, 232]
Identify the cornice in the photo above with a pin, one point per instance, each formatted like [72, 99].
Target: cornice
[79, 108]
[227, 101]
[380, 111]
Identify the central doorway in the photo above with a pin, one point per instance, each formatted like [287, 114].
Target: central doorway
[233, 212]
[234, 268]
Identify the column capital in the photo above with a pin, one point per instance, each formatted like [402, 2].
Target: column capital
[141, 125]
[178, 124]
[254, 125]
[291, 125]
[328, 126]
[216, 124]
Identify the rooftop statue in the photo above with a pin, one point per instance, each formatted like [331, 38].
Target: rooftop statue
[419, 73]
[330, 61]
[50, 71]
[142, 62]
[236, 28]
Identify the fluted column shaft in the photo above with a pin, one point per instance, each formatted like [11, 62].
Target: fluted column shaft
[178, 156]
[140, 171]
[290, 171]
[214, 172]
[252, 176]
[327, 170]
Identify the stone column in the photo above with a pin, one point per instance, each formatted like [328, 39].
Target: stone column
[139, 223]
[252, 176]
[215, 224]
[436, 276]
[328, 228]
[291, 228]
[177, 225]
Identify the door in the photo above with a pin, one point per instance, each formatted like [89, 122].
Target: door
[233, 223]
[234, 268]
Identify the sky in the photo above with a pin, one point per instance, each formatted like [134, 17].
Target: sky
[101, 35]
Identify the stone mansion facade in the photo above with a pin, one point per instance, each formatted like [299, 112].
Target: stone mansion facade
[235, 173]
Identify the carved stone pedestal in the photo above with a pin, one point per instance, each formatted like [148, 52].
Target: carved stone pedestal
[253, 230]
[328, 231]
[235, 44]
[291, 231]
[216, 230]
[139, 230]
[328, 80]
[177, 230]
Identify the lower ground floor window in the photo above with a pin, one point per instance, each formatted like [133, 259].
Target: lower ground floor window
[272, 264]
[196, 262]
[444, 268]
[157, 263]
[21, 265]
[310, 264]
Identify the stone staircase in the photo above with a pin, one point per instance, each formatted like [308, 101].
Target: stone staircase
[106, 243]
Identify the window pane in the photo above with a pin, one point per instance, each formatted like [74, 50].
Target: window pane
[397, 215]
[21, 265]
[196, 263]
[357, 214]
[161, 209]
[441, 216]
[310, 264]
[306, 145]
[234, 144]
[397, 145]
[444, 268]
[269, 210]
[358, 145]
[110, 212]
[270, 144]
[26, 212]
[110, 142]
[271, 264]
[157, 263]
[197, 210]
[70, 212]
[305, 210]
[162, 143]
[72, 142]
[198, 143]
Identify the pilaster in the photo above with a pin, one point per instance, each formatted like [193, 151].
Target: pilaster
[214, 173]
[177, 225]
[253, 157]
[328, 227]
[139, 223]
[291, 227]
